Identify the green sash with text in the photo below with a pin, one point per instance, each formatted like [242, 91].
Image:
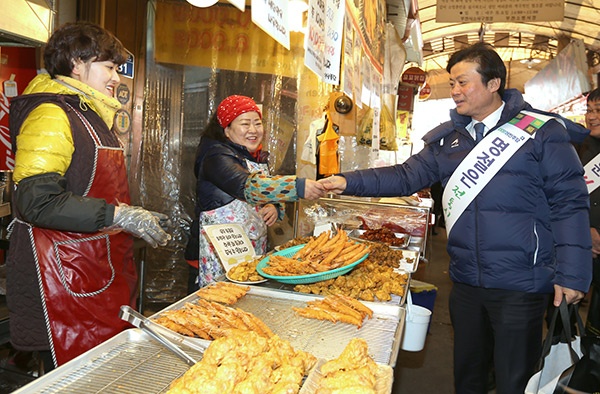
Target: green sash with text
[484, 161]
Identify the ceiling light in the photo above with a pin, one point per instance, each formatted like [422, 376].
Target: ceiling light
[530, 62]
[202, 3]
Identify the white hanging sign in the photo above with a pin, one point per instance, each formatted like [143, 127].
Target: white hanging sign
[323, 40]
[592, 174]
[272, 17]
[231, 243]
[239, 4]
[334, 31]
[314, 39]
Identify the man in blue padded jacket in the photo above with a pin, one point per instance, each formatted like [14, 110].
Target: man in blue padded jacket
[516, 210]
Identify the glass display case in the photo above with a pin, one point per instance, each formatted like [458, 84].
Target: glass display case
[403, 215]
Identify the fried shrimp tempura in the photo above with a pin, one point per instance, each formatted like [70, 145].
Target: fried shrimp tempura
[336, 308]
[210, 320]
[223, 292]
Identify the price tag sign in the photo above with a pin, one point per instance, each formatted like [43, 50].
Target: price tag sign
[231, 243]
[10, 87]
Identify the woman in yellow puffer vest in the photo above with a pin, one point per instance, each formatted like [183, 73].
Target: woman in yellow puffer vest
[70, 264]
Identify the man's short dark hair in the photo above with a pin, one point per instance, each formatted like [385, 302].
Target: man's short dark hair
[83, 41]
[490, 63]
[594, 95]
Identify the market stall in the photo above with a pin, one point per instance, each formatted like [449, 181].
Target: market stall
[134, 361]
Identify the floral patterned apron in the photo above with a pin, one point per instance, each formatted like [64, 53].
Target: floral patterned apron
[237, 211]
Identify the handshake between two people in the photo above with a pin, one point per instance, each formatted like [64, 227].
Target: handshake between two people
[316, 189]
[150, 226]
[139, 222]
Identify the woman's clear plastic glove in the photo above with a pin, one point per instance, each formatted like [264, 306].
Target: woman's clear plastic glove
[142, 223]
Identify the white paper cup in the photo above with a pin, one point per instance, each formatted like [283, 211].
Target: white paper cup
[415, 328]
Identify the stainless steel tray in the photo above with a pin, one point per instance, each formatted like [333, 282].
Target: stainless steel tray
[131, 362]
[323, 339]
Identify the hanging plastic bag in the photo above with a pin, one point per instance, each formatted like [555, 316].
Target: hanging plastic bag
[569, 362]
[365, 134]
[387, 137]
[328, 150]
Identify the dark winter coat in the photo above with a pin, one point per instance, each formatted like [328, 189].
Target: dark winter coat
[528, 228]
[221, 173]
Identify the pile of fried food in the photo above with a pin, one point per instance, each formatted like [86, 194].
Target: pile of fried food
[209, 319]
[354, 371]
[246, 271]
[320, 254]
[223, 292]
[244, 362]
[374, 278]
[383, 235]
[336, 308]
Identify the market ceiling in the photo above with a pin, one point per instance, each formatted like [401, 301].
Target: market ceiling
[525, 46]
[521, 40]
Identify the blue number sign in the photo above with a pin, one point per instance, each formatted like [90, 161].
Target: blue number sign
[126, 69]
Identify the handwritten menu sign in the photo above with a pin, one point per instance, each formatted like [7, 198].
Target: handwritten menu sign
[272, 17]
[231, 243]
[323, 43]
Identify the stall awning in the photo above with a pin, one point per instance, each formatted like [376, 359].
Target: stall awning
[25, 22]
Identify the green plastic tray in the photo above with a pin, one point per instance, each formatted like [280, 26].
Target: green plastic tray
[304, 279]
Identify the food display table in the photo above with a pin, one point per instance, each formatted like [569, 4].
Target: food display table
[133, 362]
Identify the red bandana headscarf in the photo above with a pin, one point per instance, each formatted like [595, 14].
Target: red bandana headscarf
[234, 106]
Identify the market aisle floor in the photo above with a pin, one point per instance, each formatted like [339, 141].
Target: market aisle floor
[430, 370]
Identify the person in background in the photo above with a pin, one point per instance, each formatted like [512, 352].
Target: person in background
[234, 185]
[436, 194]
[514, 237]
[70, 263]
[589, 153]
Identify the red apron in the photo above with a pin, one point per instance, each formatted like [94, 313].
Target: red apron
[86, 277]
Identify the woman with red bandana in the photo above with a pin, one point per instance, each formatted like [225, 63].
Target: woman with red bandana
[233, 184]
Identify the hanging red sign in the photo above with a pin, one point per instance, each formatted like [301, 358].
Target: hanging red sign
[414, 76]
[425, 92]
[406, 97]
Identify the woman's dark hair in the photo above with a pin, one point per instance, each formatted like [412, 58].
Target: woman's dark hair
[83, 41]
[490, 63]
[213, 130]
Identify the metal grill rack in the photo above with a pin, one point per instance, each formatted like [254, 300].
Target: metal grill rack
[134, 363]
[323, 339]
[129, 363]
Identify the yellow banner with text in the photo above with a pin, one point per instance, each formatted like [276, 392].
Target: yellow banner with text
[221, 37]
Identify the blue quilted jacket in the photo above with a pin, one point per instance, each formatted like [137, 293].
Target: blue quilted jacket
[528, 228]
